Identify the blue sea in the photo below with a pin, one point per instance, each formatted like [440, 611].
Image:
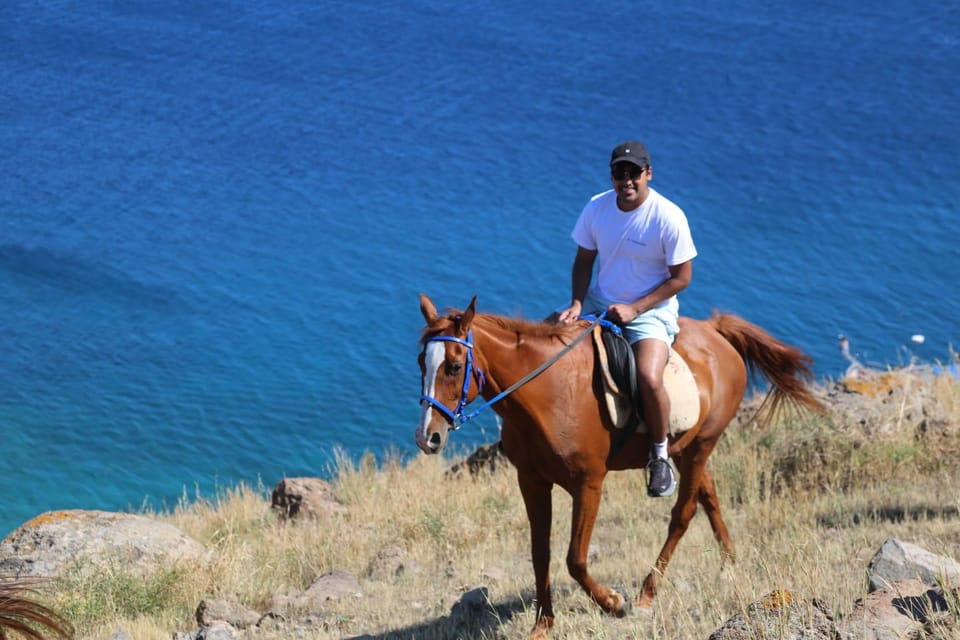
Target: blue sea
[216, 217]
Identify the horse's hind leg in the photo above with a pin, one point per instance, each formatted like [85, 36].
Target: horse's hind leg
[692, 468]
[586, 504]
[538, 500]
[711, 505]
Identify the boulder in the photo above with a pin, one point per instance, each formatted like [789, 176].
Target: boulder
[897, 560]
[896, 611]
[335, 585]
[780, 615]
[53, 542]
[236, 615]
[304, 497]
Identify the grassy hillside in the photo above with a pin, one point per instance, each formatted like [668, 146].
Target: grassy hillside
[808, 501]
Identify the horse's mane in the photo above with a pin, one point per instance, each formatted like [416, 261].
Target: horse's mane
[529, 328]
[526, 328]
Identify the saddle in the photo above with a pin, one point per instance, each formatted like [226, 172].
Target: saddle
[619, 374]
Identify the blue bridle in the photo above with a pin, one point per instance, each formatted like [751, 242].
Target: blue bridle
[456, 417]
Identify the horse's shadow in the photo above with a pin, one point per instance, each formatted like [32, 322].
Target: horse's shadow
[468, 618]
[474, 616]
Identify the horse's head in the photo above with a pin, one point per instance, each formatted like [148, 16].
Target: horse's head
[448, 373]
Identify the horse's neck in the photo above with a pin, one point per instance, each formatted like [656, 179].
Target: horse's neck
[505, 356]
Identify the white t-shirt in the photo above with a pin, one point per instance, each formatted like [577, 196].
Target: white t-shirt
[634, 248]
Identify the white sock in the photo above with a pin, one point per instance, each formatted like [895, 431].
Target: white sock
[660, 449]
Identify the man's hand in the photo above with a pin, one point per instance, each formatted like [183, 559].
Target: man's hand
[621, 313]
[571, 313]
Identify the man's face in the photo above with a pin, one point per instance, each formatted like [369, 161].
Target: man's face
[631, 184]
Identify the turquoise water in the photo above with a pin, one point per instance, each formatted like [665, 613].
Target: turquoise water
[216, 219]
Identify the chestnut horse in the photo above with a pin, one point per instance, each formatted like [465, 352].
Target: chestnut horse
[555, 432]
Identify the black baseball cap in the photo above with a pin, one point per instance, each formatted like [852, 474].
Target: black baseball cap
[633, 152]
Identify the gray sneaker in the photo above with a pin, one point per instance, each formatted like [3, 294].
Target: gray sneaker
[660, 479]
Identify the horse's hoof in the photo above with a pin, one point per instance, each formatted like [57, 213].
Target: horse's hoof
[621, 606]
[538, 633]
[540, 629]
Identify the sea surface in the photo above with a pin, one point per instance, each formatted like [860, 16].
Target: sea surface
[216, 217]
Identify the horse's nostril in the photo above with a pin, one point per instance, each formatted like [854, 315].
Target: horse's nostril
[434, 441]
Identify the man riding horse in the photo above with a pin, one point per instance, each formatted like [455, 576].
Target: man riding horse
[644, 252]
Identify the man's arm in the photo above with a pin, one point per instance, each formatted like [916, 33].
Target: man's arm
[580, 283]
[680, 276]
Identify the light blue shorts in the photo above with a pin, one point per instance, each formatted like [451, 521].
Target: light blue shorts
[659, 323]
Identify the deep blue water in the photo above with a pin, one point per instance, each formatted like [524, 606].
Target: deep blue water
[216, 217]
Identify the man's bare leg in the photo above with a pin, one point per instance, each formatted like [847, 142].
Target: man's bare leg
[651, 357]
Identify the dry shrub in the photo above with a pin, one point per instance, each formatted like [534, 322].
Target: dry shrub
[906, 431]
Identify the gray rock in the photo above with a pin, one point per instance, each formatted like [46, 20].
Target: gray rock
[472, 605]
[55, 541]
[783, 616]
[272, 621]
[238, 616]
[897, 560]
[336, 585]
[217, 631]
[304, 498]
[488, 457]
[891, 613]
[390, 563]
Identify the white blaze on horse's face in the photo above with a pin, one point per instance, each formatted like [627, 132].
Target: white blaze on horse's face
[434, 354]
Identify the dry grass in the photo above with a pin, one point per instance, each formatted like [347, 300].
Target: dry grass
[807, 501]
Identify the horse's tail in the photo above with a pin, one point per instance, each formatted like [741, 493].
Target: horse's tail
[27, 617]
[787, 368]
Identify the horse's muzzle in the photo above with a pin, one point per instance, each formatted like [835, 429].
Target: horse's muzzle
[435, 442]
[432, 442]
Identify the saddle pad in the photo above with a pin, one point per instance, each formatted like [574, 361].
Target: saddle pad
[678, 380]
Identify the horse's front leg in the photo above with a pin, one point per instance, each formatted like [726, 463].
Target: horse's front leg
[538, 500]
[586, 505]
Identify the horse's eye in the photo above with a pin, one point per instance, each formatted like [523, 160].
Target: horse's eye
[453, 368]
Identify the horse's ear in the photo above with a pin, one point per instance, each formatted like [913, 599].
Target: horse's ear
[467, 317]
[428, 309]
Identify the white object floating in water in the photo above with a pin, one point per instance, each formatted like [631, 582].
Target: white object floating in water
[917, 338]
